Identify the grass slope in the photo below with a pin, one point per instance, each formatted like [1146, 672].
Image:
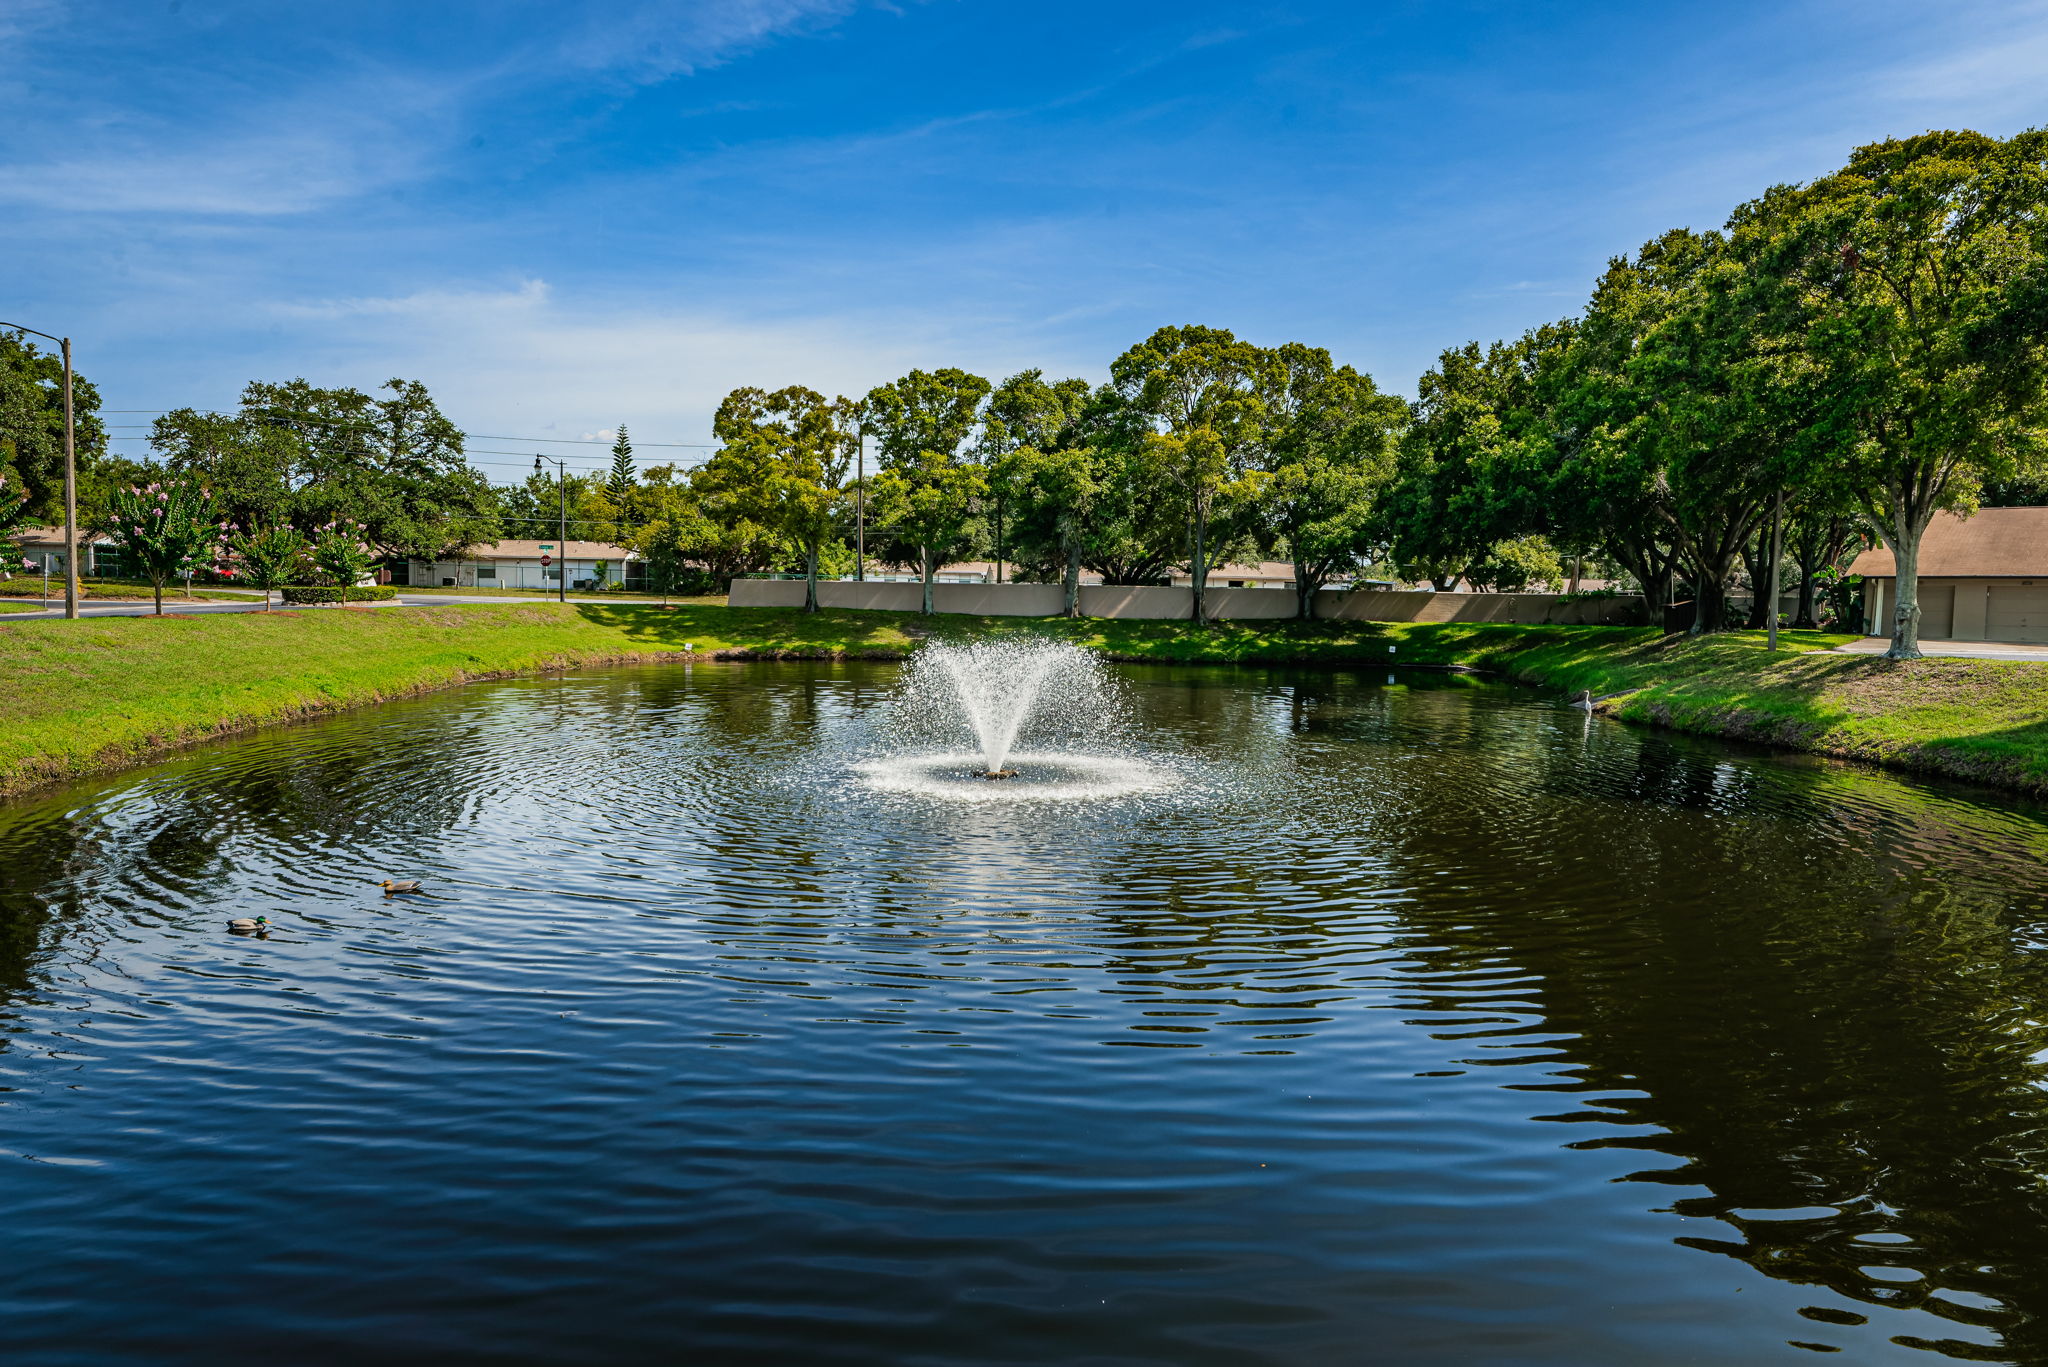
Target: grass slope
[76, 697]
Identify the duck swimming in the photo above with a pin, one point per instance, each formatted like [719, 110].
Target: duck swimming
[245, 924]
[391, 885]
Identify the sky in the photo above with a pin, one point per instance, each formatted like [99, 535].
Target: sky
[566, 216]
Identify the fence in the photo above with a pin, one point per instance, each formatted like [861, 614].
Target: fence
[1178, 603]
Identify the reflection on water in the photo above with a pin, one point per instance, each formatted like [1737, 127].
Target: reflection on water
[1433, 1023]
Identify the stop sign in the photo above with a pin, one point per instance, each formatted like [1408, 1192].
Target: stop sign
[547, 560]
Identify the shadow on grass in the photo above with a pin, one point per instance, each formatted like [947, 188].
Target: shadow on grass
[713, 626]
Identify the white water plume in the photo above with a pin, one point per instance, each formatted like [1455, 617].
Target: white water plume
[999, 690]
[1044, 719]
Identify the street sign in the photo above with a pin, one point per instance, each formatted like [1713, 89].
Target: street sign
[547, 560]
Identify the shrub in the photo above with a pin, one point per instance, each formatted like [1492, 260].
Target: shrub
[320, 593]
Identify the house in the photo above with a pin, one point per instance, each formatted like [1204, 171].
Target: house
[516, 565]
[1982, 578]
[43, 548]
[1267, 574]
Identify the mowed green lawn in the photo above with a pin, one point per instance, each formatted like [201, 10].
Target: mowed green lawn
[80, 696]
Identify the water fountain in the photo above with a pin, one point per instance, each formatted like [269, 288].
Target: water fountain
[1055, 697]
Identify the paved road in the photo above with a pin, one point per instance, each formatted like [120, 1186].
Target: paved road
[1972, 650]
[88, 608]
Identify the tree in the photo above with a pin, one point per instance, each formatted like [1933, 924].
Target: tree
[32, 426]
[1024, 413]
[1462, 482]
[342, 555]
[13, 505]
[165, 529]
[701, 520]
[268, 558]
[1910, 279]
[1329, 450]
[297, 453]
[796, 445]
[620, 484]
[1187, 401]
[1511, 566]
[926, 495]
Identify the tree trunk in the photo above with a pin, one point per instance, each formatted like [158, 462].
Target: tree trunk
[811, 580]
[1306, 586]
[1754, 563]
[1710, 596]
[1576, 562]
[157, 586]
[1072, 582]
[1906, 593]
[924, 558]
[1198, 568]
[1807, 552]
[1777, 556]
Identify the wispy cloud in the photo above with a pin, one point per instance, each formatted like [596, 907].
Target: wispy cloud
[364, 128]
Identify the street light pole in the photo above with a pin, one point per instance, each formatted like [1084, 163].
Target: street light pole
[561, 537]
[860, 514]
[70, 476]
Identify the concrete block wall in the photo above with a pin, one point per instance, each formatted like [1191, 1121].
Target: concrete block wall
[1140, 603]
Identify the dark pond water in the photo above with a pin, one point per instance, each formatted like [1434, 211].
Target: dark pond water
[1427, 1024]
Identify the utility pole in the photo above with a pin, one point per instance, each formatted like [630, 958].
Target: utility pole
[561, 537]
[860, 513]
[70, 476]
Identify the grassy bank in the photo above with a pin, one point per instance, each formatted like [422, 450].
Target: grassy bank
[76, 697]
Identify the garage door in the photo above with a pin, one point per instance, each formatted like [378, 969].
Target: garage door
[1937, 611]
[2017, 612]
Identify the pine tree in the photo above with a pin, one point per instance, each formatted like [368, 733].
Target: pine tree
[623, 480]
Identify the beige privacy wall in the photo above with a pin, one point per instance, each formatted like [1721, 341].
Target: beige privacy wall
[1177, 604]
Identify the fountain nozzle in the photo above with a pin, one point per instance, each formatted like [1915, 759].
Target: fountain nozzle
[997, 773]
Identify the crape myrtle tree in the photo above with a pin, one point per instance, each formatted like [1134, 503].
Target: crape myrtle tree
[927, 495]
[1912, 279]
[13, 504]
[298, 453]
[1187, 401]
[1328, 452]
[796, 442]
[342, 554]
[166, 529]
[268, 558]
[32, 427]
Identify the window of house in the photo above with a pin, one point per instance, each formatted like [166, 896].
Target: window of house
[487, 572]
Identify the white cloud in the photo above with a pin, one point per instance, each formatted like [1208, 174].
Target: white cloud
[369, 128]
[544, 366]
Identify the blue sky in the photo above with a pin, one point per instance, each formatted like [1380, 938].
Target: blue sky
[564, 216]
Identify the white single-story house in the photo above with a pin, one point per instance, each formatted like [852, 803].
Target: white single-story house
[1982, 578]
[517, 565]
[43, 547]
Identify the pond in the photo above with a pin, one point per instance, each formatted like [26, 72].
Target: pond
[1403, 1020]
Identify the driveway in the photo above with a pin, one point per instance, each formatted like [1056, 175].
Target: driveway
[1970, 650]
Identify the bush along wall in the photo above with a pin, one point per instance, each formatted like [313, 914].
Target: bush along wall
[312, 593]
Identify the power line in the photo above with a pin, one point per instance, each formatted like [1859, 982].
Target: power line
[477, 436]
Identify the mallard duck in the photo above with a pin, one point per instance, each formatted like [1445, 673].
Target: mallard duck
[248, 923]
[391, 885]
